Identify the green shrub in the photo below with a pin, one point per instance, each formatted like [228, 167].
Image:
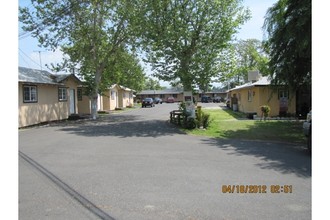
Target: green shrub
[206, 120]
[203, 119]
[265, 109]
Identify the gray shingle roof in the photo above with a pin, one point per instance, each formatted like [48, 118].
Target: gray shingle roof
[40, 76]
[263, 81]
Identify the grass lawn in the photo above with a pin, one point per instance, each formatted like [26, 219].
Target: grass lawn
[227, 124]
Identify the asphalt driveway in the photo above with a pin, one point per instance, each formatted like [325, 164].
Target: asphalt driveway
[136, 165]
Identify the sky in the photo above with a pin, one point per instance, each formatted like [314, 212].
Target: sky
[32, 56]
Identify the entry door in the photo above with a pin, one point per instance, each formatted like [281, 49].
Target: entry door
[72, 102]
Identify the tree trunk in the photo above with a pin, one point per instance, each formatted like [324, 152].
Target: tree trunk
[94, 106]
[95, 93]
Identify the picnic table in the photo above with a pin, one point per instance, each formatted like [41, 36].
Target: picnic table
[184, 119]
[176, 116]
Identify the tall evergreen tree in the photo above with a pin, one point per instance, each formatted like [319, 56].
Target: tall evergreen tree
[288, 25]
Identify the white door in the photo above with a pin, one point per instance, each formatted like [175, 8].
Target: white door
[117, 100]
[72, 102]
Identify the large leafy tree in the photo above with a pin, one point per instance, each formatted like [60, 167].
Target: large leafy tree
[288, 25]
[127, 71]
[243, 56]
[152, 84]
[91, 32]
[184, 37]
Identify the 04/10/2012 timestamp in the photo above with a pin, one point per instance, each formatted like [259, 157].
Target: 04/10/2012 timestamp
[253, 189]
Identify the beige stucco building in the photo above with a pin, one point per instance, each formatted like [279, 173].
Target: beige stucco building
[249, 97]
[115, 97]
[44, 97]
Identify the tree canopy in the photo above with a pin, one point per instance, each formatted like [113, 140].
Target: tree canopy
[126, 71]
[239, 58]
[288, 25]
[152, 84]
[183, 37]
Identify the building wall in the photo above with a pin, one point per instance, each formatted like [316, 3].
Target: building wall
[114, 98]
[105, 101]
[84, 105]
[250, 100]
[120, 98]
[266, 93]
[110, 100]
[127, 98]
[47, 108]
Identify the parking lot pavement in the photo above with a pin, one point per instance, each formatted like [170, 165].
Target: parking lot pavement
[41, 198]
[135, 165]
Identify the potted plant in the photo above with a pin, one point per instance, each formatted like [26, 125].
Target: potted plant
[265, 109]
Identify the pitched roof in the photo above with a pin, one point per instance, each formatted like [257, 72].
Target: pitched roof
[263, 81]
[127, 89]
[41, 76]
[121, 87]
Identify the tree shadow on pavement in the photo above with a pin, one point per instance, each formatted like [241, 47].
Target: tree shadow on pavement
[121, 126]
[281, 157]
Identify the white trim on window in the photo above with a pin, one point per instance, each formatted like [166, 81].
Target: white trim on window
[62, 94]
[30, 94]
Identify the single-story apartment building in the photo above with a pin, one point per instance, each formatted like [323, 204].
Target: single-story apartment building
[115, 97]
[164, 94]
[43, 96]
[177, 94]
[249, 97]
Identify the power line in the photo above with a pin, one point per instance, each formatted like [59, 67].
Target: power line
[29, 58]
[23, 35]
[24, 60]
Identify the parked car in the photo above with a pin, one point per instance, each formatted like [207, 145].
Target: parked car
[206, 99]
[148, 102]
[217, 99]
[170, 100]
[158, 101]
[307, 128]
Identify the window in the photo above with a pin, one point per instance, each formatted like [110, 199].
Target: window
[79, 94]
[62, 96]
[175, 96]
[283, 94]
[30, 94]
[250, 95]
